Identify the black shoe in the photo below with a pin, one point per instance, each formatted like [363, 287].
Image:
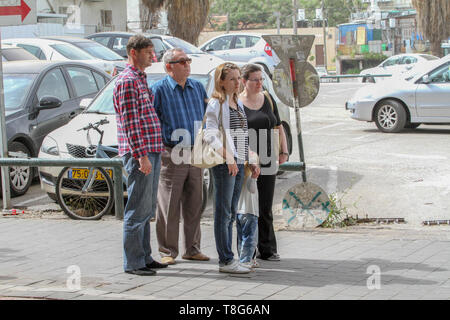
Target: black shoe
[142, 272]
[156, 265]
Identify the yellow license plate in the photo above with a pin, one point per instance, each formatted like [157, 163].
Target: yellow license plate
[84, 173]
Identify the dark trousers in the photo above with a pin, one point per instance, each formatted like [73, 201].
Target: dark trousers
[267, 243]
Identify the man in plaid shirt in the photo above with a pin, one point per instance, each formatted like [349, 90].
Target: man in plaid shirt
[140, 146]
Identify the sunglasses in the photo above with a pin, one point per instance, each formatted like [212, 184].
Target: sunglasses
[181, 61]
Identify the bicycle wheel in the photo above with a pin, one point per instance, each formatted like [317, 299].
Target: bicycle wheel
[89, 205]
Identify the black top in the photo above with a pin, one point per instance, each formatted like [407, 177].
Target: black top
[262, 121]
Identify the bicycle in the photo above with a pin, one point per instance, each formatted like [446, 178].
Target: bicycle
[88, 194]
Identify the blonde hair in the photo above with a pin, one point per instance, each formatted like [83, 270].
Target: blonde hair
[220, 75]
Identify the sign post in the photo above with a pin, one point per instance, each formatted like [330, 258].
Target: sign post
[12, 12]
[297, 84]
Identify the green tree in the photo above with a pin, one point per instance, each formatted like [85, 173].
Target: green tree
[434, 21]
[244, 13]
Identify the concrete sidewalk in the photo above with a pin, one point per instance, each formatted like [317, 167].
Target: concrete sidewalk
[42, 258]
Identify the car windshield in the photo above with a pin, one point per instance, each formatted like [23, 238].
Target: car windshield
[16, 89]
[71, 52]
[186, 46]
[103, 103]
[99, 51]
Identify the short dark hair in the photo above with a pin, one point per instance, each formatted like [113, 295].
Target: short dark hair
[138, 42]
[248, 69]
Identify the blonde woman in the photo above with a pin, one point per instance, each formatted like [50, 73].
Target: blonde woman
[262, 116]
[226, 111]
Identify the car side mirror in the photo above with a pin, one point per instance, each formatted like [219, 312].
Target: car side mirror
[209, 50]
[49, 103]
[426, 79]
[85, 103]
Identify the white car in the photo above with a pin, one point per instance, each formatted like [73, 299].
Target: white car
[67, 142]
[396, 65]
[45, 49]
[243, 47]
[421, 95]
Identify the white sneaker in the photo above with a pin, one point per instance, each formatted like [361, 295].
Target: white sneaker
[254, 263]
[234, 267]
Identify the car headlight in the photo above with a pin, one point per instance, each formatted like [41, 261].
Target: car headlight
[50, 146]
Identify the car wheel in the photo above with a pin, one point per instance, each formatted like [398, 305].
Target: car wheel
[390, 116]
[20, 178]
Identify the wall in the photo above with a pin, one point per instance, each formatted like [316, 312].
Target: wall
[318, 32]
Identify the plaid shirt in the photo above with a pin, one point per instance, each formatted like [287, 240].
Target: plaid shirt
[179, 108]
[138, 127]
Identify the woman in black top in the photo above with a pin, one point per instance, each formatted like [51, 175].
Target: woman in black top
[262, 116]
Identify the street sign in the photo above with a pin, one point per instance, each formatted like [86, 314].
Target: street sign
[17, 12]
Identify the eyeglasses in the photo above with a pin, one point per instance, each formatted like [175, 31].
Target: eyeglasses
[257, 80]
[183, 62]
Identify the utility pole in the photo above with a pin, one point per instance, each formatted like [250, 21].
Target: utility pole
[228, 22]
[278, 15]
[294, 15]
[324, 37]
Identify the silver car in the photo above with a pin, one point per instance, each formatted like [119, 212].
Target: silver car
[243, 47]
[421, 95]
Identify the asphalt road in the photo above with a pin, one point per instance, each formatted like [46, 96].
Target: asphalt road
[404, 175]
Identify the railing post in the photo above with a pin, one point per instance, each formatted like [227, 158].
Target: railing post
[118, 193]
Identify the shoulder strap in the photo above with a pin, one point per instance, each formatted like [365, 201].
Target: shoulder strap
[268, 98]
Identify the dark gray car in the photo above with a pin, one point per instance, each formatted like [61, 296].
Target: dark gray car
[41, 96]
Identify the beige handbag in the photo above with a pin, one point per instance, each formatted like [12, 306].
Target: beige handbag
[203, 155]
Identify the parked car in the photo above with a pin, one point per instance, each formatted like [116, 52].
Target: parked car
[13, 53]
[396, 64]
[243, 47]
[117, 41]
[46, 49]
[94, 49]
[421, 95]
[41, 96]
[67, 142]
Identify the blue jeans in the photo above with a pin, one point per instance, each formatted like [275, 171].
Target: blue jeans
[247, 236]
[227, 190]
[140, 208]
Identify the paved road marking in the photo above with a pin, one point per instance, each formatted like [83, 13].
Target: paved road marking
[324, 127]
[410, 156]
[30, 200]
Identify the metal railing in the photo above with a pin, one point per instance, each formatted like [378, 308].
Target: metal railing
[351, 76]
[116, 164]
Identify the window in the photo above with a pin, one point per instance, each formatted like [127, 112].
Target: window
[408, 60]
[35, 51]
[252, 41]
[106, 16]
[441, 74]
[120, 43]
[158, 47]
[99, 51]
[222, 43]
[71, 52]
[53, 85]
[102, 40]
[180, 43]
[240, 42]
[391, 62]
[83, 80]
[16, 89]
[100, 80]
